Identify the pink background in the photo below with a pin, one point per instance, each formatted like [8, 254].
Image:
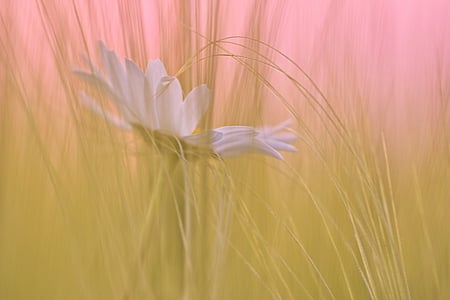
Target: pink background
[391, 55]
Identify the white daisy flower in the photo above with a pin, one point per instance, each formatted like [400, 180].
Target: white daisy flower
[152, 103]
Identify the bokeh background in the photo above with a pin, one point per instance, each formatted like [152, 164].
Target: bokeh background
[360, 211]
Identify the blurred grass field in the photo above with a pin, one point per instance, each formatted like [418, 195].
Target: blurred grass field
[88, 211]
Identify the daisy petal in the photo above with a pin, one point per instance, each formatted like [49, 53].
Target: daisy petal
[264, 148]
[280, 145]
[203, 139]
[154, 73]
[99, 83]
[168, 102]
[194, 107]
[95, 70]
[232, 136]
[106, 62]
[238, 140]
[287, 137]
[136, 111]
[119, 83]
[236, 130]
[229, 148]
[91, 104]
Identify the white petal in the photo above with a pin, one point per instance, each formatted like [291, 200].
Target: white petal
[169, 102]
[136, 111]
[95, 70]
[91, 104]
[235, 140]
[116, 73]
[95, 80]
[238, 140]
[287, 137]
[150, 105]
[204, 139]
[99, 82]
[237, 130]
[228, 148]
[113, 68]
[279, 145]
[194, 107]
[233, 135]
[264, 148]
[154, 73]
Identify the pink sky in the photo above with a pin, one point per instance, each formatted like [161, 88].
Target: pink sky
[395, 54]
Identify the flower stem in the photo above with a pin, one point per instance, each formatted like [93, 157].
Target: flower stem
[165, 237]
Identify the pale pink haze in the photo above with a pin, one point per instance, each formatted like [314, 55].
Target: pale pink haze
[393, 53]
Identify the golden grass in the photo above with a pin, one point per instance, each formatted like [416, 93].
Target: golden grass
[91, 212]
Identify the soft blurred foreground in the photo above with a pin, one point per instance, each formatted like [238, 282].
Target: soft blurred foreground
[361, 211]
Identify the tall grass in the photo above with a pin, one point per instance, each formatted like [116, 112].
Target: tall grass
[88, 211]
